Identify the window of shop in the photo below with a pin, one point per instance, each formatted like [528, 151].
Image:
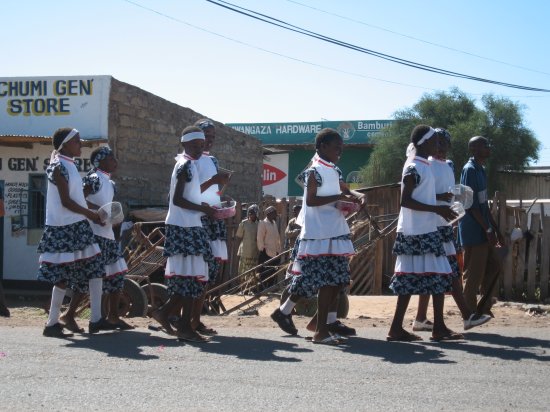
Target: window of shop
[36, 207]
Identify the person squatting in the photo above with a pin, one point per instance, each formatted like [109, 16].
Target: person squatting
[78, 251]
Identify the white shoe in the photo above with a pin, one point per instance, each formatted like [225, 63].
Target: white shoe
[424, 326]
[475, 320]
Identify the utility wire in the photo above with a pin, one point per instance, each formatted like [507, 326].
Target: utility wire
[194, 26]
[416, 38]
[287, 26]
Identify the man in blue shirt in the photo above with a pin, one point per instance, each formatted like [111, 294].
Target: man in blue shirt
[479, 234]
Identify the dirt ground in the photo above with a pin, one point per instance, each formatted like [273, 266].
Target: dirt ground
[364, 312]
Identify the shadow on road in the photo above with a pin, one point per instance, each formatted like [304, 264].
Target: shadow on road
[506, 347]
[252, 348]
[127, 345]
[395, 352]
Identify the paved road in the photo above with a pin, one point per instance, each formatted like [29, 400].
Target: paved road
[499, 369]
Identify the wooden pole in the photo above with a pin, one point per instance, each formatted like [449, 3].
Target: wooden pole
[519, 285]
[545, 258]
[507, 273]
[532, 259]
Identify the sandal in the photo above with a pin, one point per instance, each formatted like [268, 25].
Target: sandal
[204, 330]
[71, 325]
[449, 336]
[122, 325]
[422, 326]
[195, 338]
[329, 340]
[406, 337]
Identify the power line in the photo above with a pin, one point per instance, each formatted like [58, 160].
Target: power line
[242, 43]
[416, 38]
[290, 27]
[194, 26]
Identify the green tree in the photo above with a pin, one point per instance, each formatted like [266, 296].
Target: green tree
[499, 119]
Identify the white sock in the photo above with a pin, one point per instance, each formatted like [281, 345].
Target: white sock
[96, 291]
[286, 308]
[331, 318]
[55, 306]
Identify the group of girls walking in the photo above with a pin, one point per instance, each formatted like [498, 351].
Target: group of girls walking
[426, 261]
[78, 250]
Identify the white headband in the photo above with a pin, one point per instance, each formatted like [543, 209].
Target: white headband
[55, 152]
[428, 134]
[192, 136]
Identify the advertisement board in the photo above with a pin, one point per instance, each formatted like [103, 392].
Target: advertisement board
[40, 105]
[275, 175]
[352, 131]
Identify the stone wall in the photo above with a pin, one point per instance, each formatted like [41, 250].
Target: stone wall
[144, 132]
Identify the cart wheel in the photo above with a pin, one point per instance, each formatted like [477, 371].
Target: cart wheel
[159, 298]
[343, 306]
[133, 301]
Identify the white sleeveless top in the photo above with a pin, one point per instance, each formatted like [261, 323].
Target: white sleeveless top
[444, 178]
[413, 222]
[207, 169]
[179, 216]
[103, 196]
[323, 222]
[56, 213]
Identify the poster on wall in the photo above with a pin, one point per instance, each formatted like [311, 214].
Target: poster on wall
[38, 106]
[275, 175]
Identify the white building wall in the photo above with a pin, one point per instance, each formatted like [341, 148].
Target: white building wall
[20, 260]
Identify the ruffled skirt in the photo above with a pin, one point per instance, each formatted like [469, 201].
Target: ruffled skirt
[189, 252]
[69, 254]
[319, 263]
[188, 287]
[111, 257]
[421, 266]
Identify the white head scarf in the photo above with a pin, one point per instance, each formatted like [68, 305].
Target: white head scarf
[411, 148]
[55, 152]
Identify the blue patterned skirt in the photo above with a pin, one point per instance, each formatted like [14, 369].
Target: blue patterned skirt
[187, 241]
[421, 267]
[320, 271]
[215, 228]
[69, 254]
[189, 287]
[113, 284]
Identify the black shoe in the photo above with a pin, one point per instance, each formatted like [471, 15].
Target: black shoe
[55, 331]
[284, 322]
[4, 311]
[101, 324]
[341, 329]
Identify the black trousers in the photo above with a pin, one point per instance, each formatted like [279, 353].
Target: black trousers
[267, 270]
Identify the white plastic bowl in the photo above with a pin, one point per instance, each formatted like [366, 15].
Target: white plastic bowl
[111, 213]
[346, 207]
[225, 209]
[463, 194]
[459, 210]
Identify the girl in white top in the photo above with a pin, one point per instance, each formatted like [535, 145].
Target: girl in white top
[186, 241]
[443, 171]
[68, 252]
[421, 266]
[100, 190]
[323, 248]
[210, 179]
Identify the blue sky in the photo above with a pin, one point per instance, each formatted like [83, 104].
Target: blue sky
[237, 70]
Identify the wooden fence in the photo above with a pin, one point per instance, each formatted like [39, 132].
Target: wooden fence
[368, 266]
[526, 267]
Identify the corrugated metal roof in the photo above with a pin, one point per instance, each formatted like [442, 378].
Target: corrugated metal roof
[14, 139]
